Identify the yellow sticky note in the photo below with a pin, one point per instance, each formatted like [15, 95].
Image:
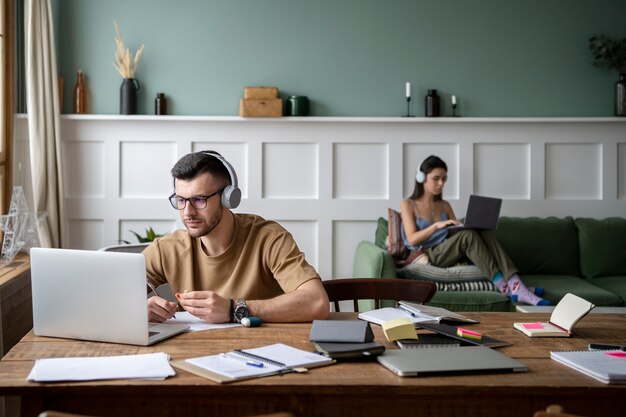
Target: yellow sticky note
[399, 329]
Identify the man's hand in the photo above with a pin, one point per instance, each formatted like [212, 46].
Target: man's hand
[159, 309]
[206, 305]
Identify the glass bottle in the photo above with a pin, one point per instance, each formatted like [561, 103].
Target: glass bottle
[432, 104]
[620, 96]
[160, 104]
[79, 105]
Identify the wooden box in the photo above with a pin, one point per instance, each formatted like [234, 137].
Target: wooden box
[261, 107]
[260, 92]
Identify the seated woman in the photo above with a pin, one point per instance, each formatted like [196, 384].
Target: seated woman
[425, 219]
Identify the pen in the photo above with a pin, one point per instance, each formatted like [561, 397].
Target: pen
[248, 362]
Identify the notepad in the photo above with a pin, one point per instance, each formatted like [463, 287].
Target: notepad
[263, 361]
[607, 366]
[566, 314]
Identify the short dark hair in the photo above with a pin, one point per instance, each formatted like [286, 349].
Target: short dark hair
[426, 167]
[196, 163]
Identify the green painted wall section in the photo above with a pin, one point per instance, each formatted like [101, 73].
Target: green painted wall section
[350, 57]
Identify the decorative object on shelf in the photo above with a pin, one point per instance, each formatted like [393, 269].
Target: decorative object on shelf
[79, 106]
[433, 107]
[454, 104]
[260, 102]
[19, 226]
[611, 53]
[297, 106]
[127, 67]
[160, 104]
[408, 100]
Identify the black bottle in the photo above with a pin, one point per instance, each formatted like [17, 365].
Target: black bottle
[160, 104]
[432, 106]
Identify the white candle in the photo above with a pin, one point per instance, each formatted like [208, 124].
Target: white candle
[408, 89]
[453, 99]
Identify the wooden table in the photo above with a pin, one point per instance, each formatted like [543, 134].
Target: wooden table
[345, 389]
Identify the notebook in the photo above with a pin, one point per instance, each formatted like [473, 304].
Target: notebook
[608, 366]
[428, 341]
[239, 365]
[482, 213]
[566, 314]
[423, 362]
[93, 295]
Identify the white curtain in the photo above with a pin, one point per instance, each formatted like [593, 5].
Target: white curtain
[43, 122]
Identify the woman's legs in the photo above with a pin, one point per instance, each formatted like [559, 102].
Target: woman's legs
[484, 250]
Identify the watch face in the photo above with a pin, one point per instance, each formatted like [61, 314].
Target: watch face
[240, 312]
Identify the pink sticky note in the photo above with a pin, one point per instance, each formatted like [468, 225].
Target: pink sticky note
[616, 354]
[535, 325]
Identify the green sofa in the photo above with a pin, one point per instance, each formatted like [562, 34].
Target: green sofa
[584, 256]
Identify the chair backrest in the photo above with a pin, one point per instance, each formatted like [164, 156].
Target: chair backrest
[130, 248]
[377, 289]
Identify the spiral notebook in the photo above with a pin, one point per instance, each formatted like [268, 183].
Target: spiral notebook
[238, 365]
[608, 366]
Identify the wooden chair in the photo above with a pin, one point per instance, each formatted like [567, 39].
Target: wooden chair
[554, 410]
[129, 247]
[377, 289]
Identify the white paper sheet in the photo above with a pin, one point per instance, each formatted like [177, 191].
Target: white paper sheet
[195, 324]
[146, 366]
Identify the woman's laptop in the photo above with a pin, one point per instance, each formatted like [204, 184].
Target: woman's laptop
[93, 295]
[482, 213]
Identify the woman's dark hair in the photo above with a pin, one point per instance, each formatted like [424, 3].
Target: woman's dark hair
[194, 164]
[426, 167]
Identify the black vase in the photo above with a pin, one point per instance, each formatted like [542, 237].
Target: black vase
[128, 96]
[620, 96]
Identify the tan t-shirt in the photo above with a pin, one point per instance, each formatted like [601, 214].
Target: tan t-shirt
[262, 262]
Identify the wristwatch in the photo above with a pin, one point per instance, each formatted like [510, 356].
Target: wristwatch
[241, 310]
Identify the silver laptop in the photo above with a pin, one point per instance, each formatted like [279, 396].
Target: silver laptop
[93, 295]
[423, 362]
[482, 213]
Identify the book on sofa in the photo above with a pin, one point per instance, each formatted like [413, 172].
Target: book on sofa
[566, 314]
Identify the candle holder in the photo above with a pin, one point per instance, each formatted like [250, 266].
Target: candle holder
[454, 110]
[408, 107]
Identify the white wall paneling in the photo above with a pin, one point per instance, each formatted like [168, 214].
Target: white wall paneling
[327, 180]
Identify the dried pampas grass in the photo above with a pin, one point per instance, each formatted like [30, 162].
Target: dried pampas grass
[123, 62]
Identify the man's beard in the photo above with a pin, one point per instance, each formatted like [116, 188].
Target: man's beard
[207, 227]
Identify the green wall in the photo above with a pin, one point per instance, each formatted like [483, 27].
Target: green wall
[350, 57]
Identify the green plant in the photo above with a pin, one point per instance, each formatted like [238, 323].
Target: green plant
[149, 237]
[609, 52]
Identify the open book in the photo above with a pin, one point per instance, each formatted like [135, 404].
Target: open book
[566, 314]
[252, 363]
[417, 313]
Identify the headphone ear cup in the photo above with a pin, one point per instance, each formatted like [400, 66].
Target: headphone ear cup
[231, 197]
[420, 177]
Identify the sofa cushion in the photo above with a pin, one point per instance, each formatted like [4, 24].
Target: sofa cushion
[615, 284]
[396, 244]
[602, 246]
[382, 232]
[540, 245]
[556, 286]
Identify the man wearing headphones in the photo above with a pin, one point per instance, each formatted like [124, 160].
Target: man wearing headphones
[227, 266]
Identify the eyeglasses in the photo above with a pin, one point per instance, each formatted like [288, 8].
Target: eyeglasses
[197, 201]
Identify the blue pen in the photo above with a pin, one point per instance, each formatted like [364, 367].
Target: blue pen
[255, 364]
[248, 362]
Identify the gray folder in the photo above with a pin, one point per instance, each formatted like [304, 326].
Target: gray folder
[422, 362]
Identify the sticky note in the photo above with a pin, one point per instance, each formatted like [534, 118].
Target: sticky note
[616, 354]
[399, 329]
[470, 334]
[535, 325]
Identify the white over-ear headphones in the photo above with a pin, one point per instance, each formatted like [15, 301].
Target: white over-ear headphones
[420, 176]
[231, 195]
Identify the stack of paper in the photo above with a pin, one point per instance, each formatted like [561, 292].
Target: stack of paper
[147, 366]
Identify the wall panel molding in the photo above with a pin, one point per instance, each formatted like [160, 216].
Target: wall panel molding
[345, 172]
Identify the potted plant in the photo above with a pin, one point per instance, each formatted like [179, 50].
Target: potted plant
[611, 53]
[149, 237]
